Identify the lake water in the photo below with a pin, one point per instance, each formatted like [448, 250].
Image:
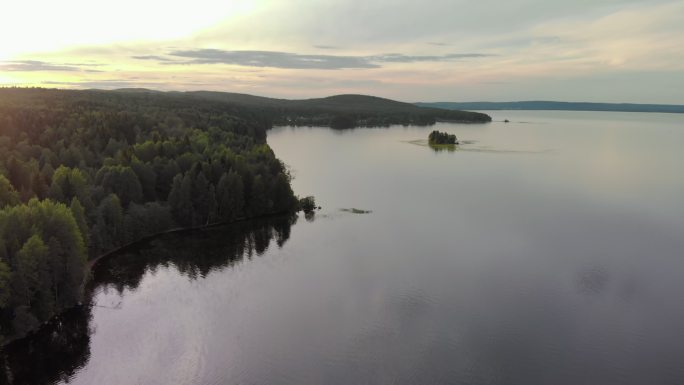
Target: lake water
[547, 250]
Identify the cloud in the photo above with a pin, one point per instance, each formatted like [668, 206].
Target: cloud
[35, 65]
[612, 50]
[104, 84]
[290, 60]
[399, 58]
[321, 46]
[272, 59]
[152, 57]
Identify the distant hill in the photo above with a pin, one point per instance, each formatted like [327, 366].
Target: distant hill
[558, 106]
[341, 111]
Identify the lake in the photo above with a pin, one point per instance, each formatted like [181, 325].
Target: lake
[547, 250]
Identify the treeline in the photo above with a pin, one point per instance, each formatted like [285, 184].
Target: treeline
[341, 111]
[437, 137]
[85, 172]
[540, 105]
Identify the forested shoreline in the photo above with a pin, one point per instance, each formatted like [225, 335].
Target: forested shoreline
[85, 172]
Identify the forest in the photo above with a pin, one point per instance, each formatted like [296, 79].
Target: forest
[85, 172]
[437, 137]
[338, 111]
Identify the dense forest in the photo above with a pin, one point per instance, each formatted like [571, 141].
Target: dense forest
[85, 172]
[339, 111]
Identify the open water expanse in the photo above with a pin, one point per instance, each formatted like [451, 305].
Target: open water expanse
[547, 250]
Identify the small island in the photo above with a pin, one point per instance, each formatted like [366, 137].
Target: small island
[440, 138]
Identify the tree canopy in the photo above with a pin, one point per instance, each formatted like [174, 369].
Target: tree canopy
[85, 172]
[437, 137]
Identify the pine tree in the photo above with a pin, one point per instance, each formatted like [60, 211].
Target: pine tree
[200, 201]
[229, 195]
[78, 212]
[180, 200]
[8, 195]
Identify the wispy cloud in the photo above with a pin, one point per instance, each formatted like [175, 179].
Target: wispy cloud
[35, 65]
[101, 84]
[272, 59]
[400, 58]
[612, 50]
[291, 60]
[322, 46]
[152, 57]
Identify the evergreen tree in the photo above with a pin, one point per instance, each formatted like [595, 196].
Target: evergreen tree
[121, 181]
[28, 278]
[109, 174]
[110, 223]
[147, 178]
[200, 200]
[8, 195]
[230, 196]
[78, 212]
[259, 201]
[180, 200]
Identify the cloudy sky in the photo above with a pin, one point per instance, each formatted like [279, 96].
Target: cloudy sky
[433, 50]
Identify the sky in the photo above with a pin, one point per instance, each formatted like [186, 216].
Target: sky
[432, 50]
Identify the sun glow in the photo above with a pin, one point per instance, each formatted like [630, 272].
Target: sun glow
[41, 26]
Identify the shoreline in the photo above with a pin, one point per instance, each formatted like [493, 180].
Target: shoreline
[90, 265]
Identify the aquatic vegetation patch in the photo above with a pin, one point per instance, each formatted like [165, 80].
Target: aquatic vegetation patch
[356, 211]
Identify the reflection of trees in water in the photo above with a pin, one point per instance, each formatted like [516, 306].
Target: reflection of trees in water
[194, 254]
[60, 348]
[442, 147]
[51, 355]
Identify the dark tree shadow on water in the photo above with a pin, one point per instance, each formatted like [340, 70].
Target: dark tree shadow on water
[58, 350]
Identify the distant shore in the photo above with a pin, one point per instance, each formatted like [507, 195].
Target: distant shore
[557, 106]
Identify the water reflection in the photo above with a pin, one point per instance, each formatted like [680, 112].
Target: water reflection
[482, 266]
[443, 147]
[51, 355]
[58, 350]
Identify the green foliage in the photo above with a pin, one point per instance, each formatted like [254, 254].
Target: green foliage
[144, 220]
[122, 181]
[437, 137]
[42, 265]
[342, 111]
[108, 233]
[230, 196]
[78, 211]
[69, 183]
[8, 195]
[180, 200]
[307, 204]
[83, 173]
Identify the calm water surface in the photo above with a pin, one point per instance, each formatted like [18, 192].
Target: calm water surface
[548, 250]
